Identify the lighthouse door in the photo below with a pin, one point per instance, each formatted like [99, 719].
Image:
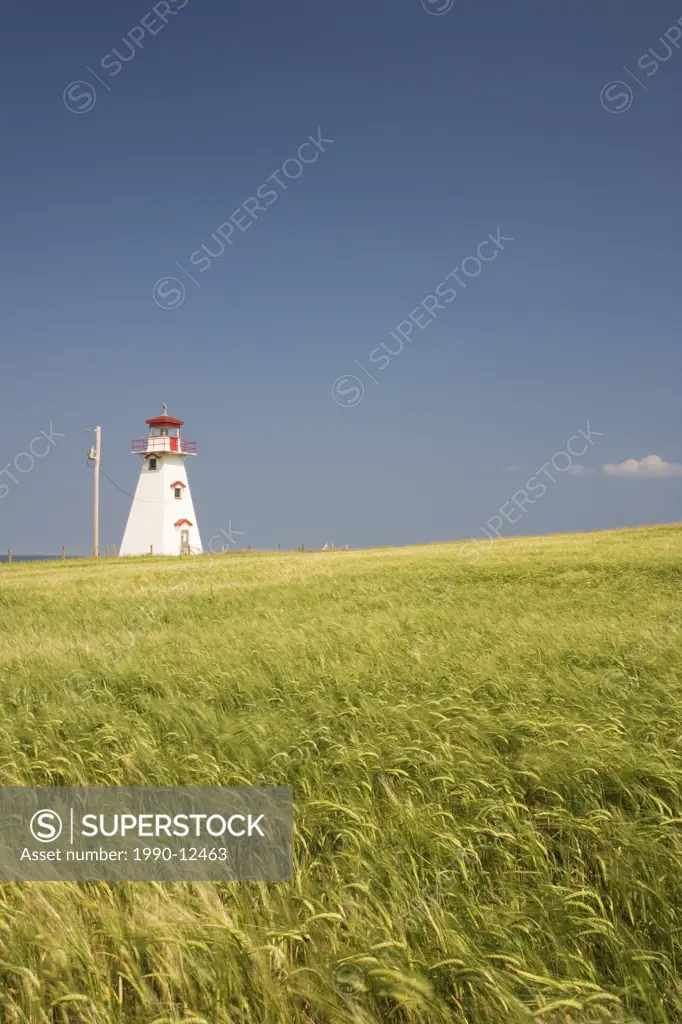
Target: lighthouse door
[184, 542]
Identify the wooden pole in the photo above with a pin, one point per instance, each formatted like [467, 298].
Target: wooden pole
[114, 551]
[279, 547]
[95, 538]
[151, 549]
[9, 557]
[106, 550]
[63, 553]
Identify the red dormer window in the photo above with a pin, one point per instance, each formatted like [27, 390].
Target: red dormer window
[183, 522]
[178, 488]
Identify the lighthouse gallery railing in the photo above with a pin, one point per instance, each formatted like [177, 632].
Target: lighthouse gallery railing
[165, 444]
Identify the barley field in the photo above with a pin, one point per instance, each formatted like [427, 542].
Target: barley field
[486, 764]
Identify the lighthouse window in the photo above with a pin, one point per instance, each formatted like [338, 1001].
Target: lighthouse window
[152, 465]
[178, 492]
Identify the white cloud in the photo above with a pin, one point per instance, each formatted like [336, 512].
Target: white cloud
[652, 465]
[578, 470]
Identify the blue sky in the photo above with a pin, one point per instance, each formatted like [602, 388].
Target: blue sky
[493, 118]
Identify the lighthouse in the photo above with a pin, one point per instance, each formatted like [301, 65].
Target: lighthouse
[162, 519]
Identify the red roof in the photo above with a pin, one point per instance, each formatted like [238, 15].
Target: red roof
[178, 483]
[165, 421]
[181, 522]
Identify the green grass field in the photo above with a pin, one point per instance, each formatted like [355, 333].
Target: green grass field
[486, 764]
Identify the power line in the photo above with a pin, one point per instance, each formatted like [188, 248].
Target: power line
[123, 491]
[133, 496]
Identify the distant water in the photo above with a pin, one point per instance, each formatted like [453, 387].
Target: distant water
[38, 558]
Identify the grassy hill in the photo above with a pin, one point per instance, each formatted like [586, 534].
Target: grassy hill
[486, 768]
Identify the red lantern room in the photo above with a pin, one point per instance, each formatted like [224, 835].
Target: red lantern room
[164, 436]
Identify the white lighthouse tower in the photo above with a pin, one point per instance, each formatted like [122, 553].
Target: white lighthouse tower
[162, 519]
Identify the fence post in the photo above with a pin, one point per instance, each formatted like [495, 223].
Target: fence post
[151, 549]
[63, 553]
[114, 551]
[279, 547]
[9, 557]
[106, 550]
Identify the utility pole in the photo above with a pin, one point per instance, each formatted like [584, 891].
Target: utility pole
[94, 454]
